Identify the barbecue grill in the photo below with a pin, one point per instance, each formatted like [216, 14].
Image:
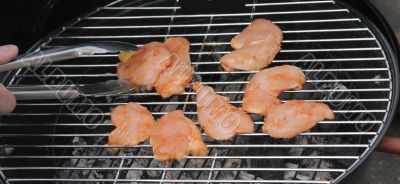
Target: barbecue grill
[347, 61]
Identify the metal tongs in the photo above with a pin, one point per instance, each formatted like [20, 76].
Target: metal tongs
[35, 59]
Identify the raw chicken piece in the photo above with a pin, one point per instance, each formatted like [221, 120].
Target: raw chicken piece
[294, 117]
[174, 137]
[219, 119]
[252, 57]
[131, 113]
[178, 75]
[257, 45]
[145, 66]
[258, 30]
[133, 123]
[263, 90]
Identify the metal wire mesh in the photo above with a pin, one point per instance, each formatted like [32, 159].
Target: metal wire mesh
[59, 141]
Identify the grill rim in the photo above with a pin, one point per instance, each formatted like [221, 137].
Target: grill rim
[394, 73]
[381, 39]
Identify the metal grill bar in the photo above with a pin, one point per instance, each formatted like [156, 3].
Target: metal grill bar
[348, 50]
[245, 82]
[216, 15]
[242, 92]
[177, 169]
[276, 60]
[189, 157]
[141, 8]
[290, 51]
[174, 181]
[227, 24]
[252, 134]
[208, 34]
[200, 73]
[193, 102]
[159, 113]
[109, 124]
[210, 146]
[289, 3]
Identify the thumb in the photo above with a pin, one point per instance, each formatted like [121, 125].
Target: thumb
[7, 53]
[7, 100]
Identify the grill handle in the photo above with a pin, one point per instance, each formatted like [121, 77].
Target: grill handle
[389, 145]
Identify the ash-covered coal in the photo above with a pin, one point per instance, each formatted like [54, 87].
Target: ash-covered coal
[307, 163]
[267, 163]
[88, 163]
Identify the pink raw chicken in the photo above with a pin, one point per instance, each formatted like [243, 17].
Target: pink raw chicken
[144, 67]
[252, 57]
[258, 30]
[133, 123]
[178, 75]
[262, 92]
[294, 117]
[220, 120]
[257, 45]
[174, 137]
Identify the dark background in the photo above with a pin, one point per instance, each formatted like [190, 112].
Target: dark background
[24, 22]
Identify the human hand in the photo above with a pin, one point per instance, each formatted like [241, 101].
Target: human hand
[7, 99]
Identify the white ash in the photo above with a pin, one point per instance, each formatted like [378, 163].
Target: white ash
[290, 174]
[187, 163]
[154, 173]
[324, 176]
[193, 163]
[88, 163]
[308, 163]
[242, 176]
[6, 151]
[377, 77]
[298, 151]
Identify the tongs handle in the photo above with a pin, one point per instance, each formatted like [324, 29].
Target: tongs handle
[41, 57]
[43, 93]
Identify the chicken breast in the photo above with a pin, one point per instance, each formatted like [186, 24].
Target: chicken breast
[174, 137]
[145, 66]
[252, 57]
[294, 117]
[178, 75]
[262, 92]
[220, 120]
[133, 123]
[257, 45]
[258, 30]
